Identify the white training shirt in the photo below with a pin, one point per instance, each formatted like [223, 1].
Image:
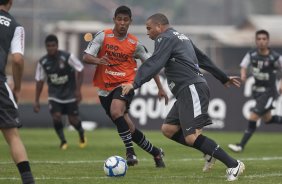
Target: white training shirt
[17, 43]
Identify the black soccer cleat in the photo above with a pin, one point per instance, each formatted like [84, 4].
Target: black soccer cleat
[131, 159]
[159, 159]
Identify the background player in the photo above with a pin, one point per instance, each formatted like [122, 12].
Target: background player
[63, 72]
[264, 63]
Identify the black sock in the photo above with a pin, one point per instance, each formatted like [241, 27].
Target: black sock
[124, 133]
[139, 138]
[59, 128]
[209, 147]
[275, 120]
[179, 138]
[25, 172]
[80, 130]
[248, 133]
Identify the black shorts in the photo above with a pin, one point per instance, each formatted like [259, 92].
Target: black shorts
[264, 101]
[64, 108]
[9, 115]
[190, 110]
[116, 94]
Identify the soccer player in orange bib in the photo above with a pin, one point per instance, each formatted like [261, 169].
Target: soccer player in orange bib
[114, 51]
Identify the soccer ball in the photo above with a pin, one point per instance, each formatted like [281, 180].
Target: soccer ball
[115, 166]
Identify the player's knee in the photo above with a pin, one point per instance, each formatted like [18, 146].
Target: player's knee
[116, 114]
[190, 139]
[74, 120]
[166, 134]
[168, 131]
[254, 116]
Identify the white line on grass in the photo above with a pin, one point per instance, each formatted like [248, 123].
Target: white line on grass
[143, 159]
[268, 175]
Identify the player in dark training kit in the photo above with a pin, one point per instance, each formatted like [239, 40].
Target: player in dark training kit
[264, 63]
[114, 53]
[12, 39]
[63, 72]
[181, 59]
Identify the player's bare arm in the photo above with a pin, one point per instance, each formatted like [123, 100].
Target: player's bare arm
[89, 59]
[280, 86]
[243, 72]
[79, 79]
[38, 90]
[17, 67]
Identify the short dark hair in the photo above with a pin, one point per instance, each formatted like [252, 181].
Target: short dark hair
[159, 18]
[262, 31]
[123, 10]
[51, 38]
[4, 2]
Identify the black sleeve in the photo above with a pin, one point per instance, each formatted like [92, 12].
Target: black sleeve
[155, 63]
[206, 63]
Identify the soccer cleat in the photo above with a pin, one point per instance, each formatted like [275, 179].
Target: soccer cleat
[64, 146]
[131, 159]
[233, 173]
[83, 143]
[209, 162]
[235, 147]
[159, 159]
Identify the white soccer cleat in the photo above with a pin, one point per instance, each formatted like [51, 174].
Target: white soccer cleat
[209, 162]
[233, 173]
[235, 147]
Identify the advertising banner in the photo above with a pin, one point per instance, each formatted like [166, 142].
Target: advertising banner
[228, 109]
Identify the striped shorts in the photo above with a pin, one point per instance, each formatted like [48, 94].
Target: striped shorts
[9, 115]
[190, 110]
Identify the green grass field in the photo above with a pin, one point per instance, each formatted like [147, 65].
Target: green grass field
[263, 159]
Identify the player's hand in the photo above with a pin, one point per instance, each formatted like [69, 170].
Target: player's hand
[233, 81]
[162, 94]
[126, 88]
[36, 107]
[103, 60]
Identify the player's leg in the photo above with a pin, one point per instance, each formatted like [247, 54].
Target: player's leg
[269, 119]
[140, 139]
[73, 116]
[193, 115]
[56, 113]
[9, 122]
[18, 154]
[263, 106]
[115, 108]
[171, 127]
[118, 108]
[172, 130]
[252, 126]
[210, 147]
[76, 123]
